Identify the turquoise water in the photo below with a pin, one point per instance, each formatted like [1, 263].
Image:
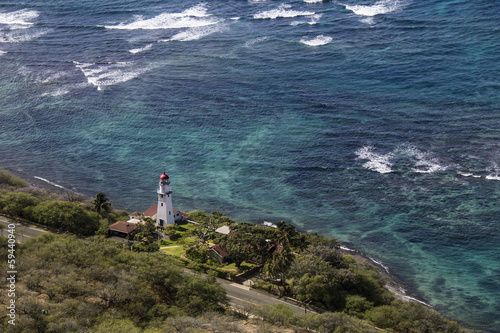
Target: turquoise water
[374, 121]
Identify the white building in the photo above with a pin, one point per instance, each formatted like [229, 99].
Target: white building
[165, 212]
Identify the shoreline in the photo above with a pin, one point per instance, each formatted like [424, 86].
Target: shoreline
[396, 286]
[392, 283]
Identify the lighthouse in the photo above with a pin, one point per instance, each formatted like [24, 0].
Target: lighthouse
[165, 213]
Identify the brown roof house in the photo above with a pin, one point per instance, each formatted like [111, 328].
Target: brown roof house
[218, 253]
[121, 229]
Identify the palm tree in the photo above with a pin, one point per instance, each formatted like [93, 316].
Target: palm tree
[278, 265]
[101, 204]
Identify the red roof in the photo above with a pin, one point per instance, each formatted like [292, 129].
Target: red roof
[164, 175]
[123, 226]
[221, 251]
[153, 210]
[135, 214]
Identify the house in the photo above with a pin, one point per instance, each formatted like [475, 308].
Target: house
[121, 229]
[219, 253]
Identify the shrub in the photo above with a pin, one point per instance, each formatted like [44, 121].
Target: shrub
[357, 305]
[7, 178]
[276, 314]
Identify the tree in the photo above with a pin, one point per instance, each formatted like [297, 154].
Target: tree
[278, 265]
[146, 234]
[65, 215]
[18, 203]
[207, 224]
[101, 204]
[245, 246]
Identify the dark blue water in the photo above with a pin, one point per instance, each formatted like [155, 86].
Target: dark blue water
[376, 122]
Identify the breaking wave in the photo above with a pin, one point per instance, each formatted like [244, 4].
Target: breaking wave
[108, 74]
[380, 7]
[141, 49]
[190, 18]
[20, 19]
[383, 163]
[419, 162]
[318, 41]
[197, 33]
[314, 19]
[380, 163]
[282, 11]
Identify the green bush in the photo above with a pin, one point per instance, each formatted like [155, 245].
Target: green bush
[8, 179]
[276, 314]
[357, 305]
[65, 215]
[18, 204]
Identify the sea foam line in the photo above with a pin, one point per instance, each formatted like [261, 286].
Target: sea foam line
[49, 182]
[197, 33]
[282, 11]
[193, 17]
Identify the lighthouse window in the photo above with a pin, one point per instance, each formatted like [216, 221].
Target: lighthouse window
[161, 195]
[162, 204]
[169, 213]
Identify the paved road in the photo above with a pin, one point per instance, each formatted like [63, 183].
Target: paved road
[243, 296]
[239, 295]
[22, 231]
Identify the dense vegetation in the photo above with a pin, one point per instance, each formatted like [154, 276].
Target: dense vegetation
[68, 284]
[67, 211]
[92, 285]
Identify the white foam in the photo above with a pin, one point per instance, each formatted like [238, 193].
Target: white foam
[193, 17]
[413, 299]
[282, 11]
[312, 1]
[255, 41]
[380, 163]
[197, 33]
[468, 174]
[378, 8]
[20, 19]
[141, 49]
[380, 264]
[56, 92]
[19, 36]
[2, 52]
[425, 162]
[108, 74]
[496, 176]
[49, 182]
[314, 20]
[318, 41]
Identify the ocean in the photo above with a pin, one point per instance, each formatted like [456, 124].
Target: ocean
[375, 121]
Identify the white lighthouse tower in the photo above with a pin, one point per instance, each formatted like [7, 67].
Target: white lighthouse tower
[165, 213]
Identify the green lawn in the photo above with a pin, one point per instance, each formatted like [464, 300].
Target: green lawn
[245, 266]
[175, 251]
